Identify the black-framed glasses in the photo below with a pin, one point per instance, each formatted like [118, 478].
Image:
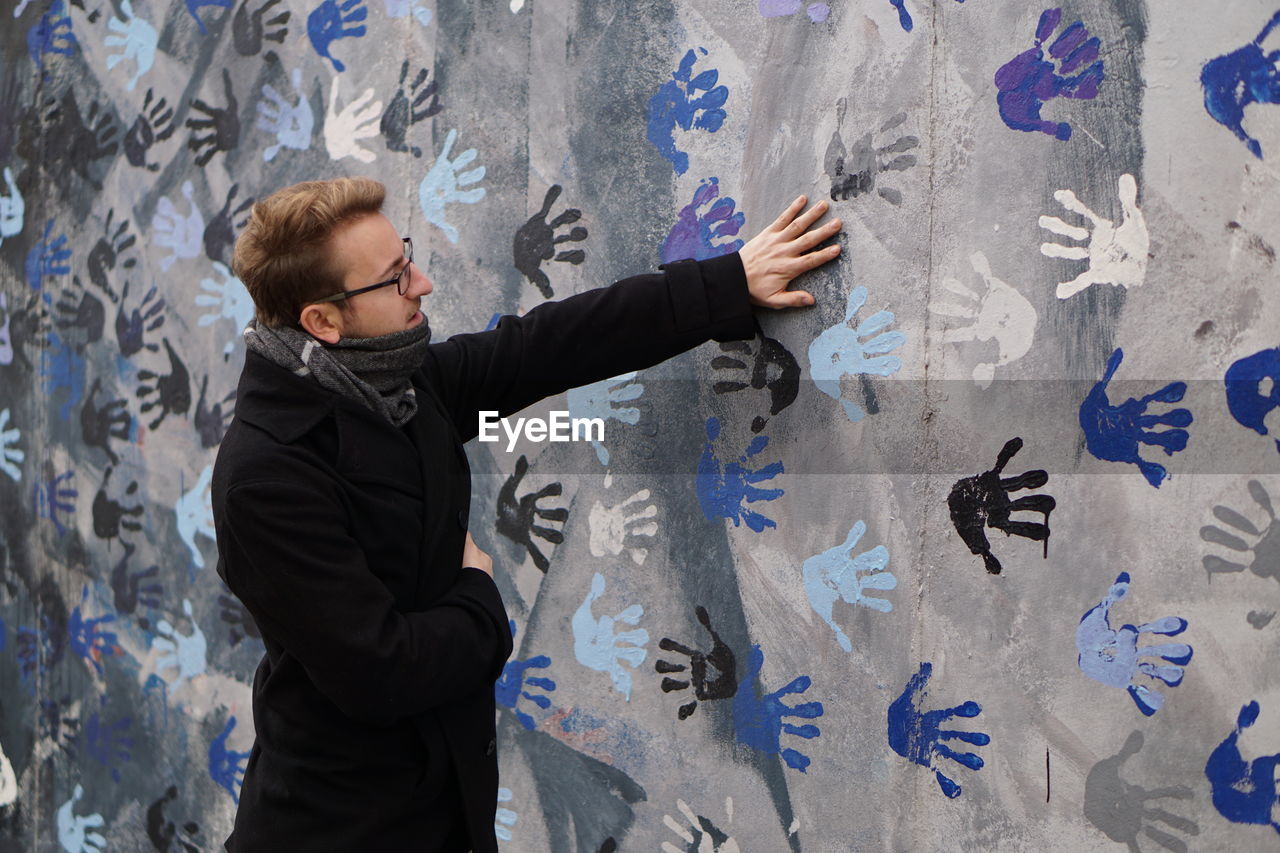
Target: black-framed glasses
[401, 280]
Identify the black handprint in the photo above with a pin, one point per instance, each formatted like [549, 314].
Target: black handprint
[223, 124]
[80, 309]
[98, 425]
[77, 143]
[29, 322]
[132, 326]
[853, 173]
[983, 501]
[721, 658]
[237, 616]
[172, 391]
[57, 724]
[211, 423]
[783, 380]
[163, 832]
[154, 124]
[248, 29]
[400, 114]
[129, 589]
[109, 515]
[516, 517]
[107, 251]
[536, 242]
[220, 232]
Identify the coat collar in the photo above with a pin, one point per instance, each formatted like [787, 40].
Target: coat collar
[283, 403]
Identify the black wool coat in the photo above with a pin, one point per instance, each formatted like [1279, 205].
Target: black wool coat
[342, 535]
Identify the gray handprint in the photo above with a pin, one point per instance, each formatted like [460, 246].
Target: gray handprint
[1120, 809]
[1263, 556]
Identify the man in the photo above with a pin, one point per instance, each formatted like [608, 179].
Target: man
[341, 492]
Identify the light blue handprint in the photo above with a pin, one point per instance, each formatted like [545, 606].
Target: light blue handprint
[597, 647]
[403, 8]
[700, 234]
[328, 23]
[1112, 657]
[291, 123]
[195, 515]
[46, 259]
[678, 104]
[510, 687]
[833, 575]
[1243, 791]
[86, 640]
[837, 351]
[6, 333]
[443, 184]
[918, 735]
[187, 653]
[599, 399]
[137, 40]
[182, 235]
[504, 818]
[230, 300]
[721, 493]
[758, 717]
[12, 208]
[226, 766]
[51, 34]
[11, 455]
[73, 829]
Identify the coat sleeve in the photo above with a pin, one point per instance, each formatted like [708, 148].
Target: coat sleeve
[631, 325]
[288, 556]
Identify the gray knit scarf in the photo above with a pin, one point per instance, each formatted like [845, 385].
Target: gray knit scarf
[373, 371]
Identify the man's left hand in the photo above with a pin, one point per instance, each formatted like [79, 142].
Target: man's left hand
[783, 251]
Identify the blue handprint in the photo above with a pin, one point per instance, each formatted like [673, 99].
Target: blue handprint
[598, 400]
[62, 367]
[137, 40]
[85, 638]
[194, 511]
[443, 184]
[837, 351]
[194, 7]
[510, 687]
[46, 259]
[918, 735]
[678, 104]
[291, 123]
[904, 17]
[699, 233]
[51, 34]
[1113, 433]
[1112, 657]
[721, 493]
[229, 299]
[758, 718]
[226, 766]
[1243, 792]
[328, 23]
[1028, 80]
[52, 498]
[1245, 76]
[1253, 389]
[834, 575]
[817, 12]
[598, 647]
[108, 744]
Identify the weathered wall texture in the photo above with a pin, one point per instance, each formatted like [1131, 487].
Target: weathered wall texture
[905, 573]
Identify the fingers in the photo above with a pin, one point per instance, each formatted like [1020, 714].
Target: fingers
[809, 239]
[803, 222]
[789, 214]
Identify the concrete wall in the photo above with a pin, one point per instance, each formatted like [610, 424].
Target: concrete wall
[757, 614]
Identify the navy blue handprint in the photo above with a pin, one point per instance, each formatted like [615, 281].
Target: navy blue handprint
[688, 103]
[1028, 80]
[918, 735]
[758, 718]
[721, 493]
[1242, 77]
[53, 496]
[1113, 433]
[1253, 390]
[226, 766]
[1243, 792]
[328, 23]
[194, 7]
[51, 34]
[701, 234]
[515, 676]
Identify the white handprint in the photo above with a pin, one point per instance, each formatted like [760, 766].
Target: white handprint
[597, 647]
[833, 574]
[231, 300]
[8, 782]
[187, 653]
[10, 454]
[195, 515]
[291, 123]
[610, 527]
[71, 827]
[443, 184]
[182, 235]
[700, 835]
[1002, 314]
[343, 129]
[597, 401]
[12, 208]
[138, 40]
[1116, 255]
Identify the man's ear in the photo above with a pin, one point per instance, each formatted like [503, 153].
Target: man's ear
[323, 321]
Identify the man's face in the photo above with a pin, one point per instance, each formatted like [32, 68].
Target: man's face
[370, 249]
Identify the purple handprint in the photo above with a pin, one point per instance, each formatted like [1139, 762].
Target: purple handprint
[678, 104]
[757, 718]
[700, 231]
[817, 12]
[511, 686]
[918, 735]
[1028, 80]
[325, 25]
[721, 493]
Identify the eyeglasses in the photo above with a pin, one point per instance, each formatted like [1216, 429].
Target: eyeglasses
[401, 281]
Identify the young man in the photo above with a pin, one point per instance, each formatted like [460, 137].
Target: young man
[341, 492]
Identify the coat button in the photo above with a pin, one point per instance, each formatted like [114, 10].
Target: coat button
[462, 519]
[491, 748]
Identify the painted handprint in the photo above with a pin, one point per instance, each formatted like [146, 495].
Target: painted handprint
[75, 831]
[291, 123]
[136, 39]
[1114, 658]
[536, 241]
[250, 29]
[131, 589]
[772, 367]
[227, 299]
[187, 653]
[698, 833]
[221, 130]
[405, 8]
[98, 425]
[330, 22]
[904, 16]
[1253, 392]
[108, 743]
[111, 248]
[54, 497]
[597, 646]
[86, 637]
[1243, 791]
[110, 516]
[1113, 433]
[133, 324]
[516, 682]
[504, 818]
[758, 716]
[226, 766]
[62, 367]
[220, 231]
[77, 143]
[13, 208]
[855, 172]
[239, 620]
[153, 124]
[403, 113]
[443, 185]
[721, 493]
[211, 422]
[194, 7]
[1242, 77]
[623, 527]
[169, 392]
[163, 830]
[817, 12]
[688, 103]
[180, 234]
[1000, 313]
[917, 735]
[702, 231]
[601, 399]
[1120, 809]
[11, 455]
[983, 501]
[836, 575]
[47, 258]
[839, 351]
[194, 511]
[345, 127]
[1030, 79]
[517, 518]
[713, 675]
[51, 35]
[1116, 254]
[1262, 555]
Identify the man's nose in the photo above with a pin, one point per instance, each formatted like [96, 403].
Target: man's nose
[419, 284]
